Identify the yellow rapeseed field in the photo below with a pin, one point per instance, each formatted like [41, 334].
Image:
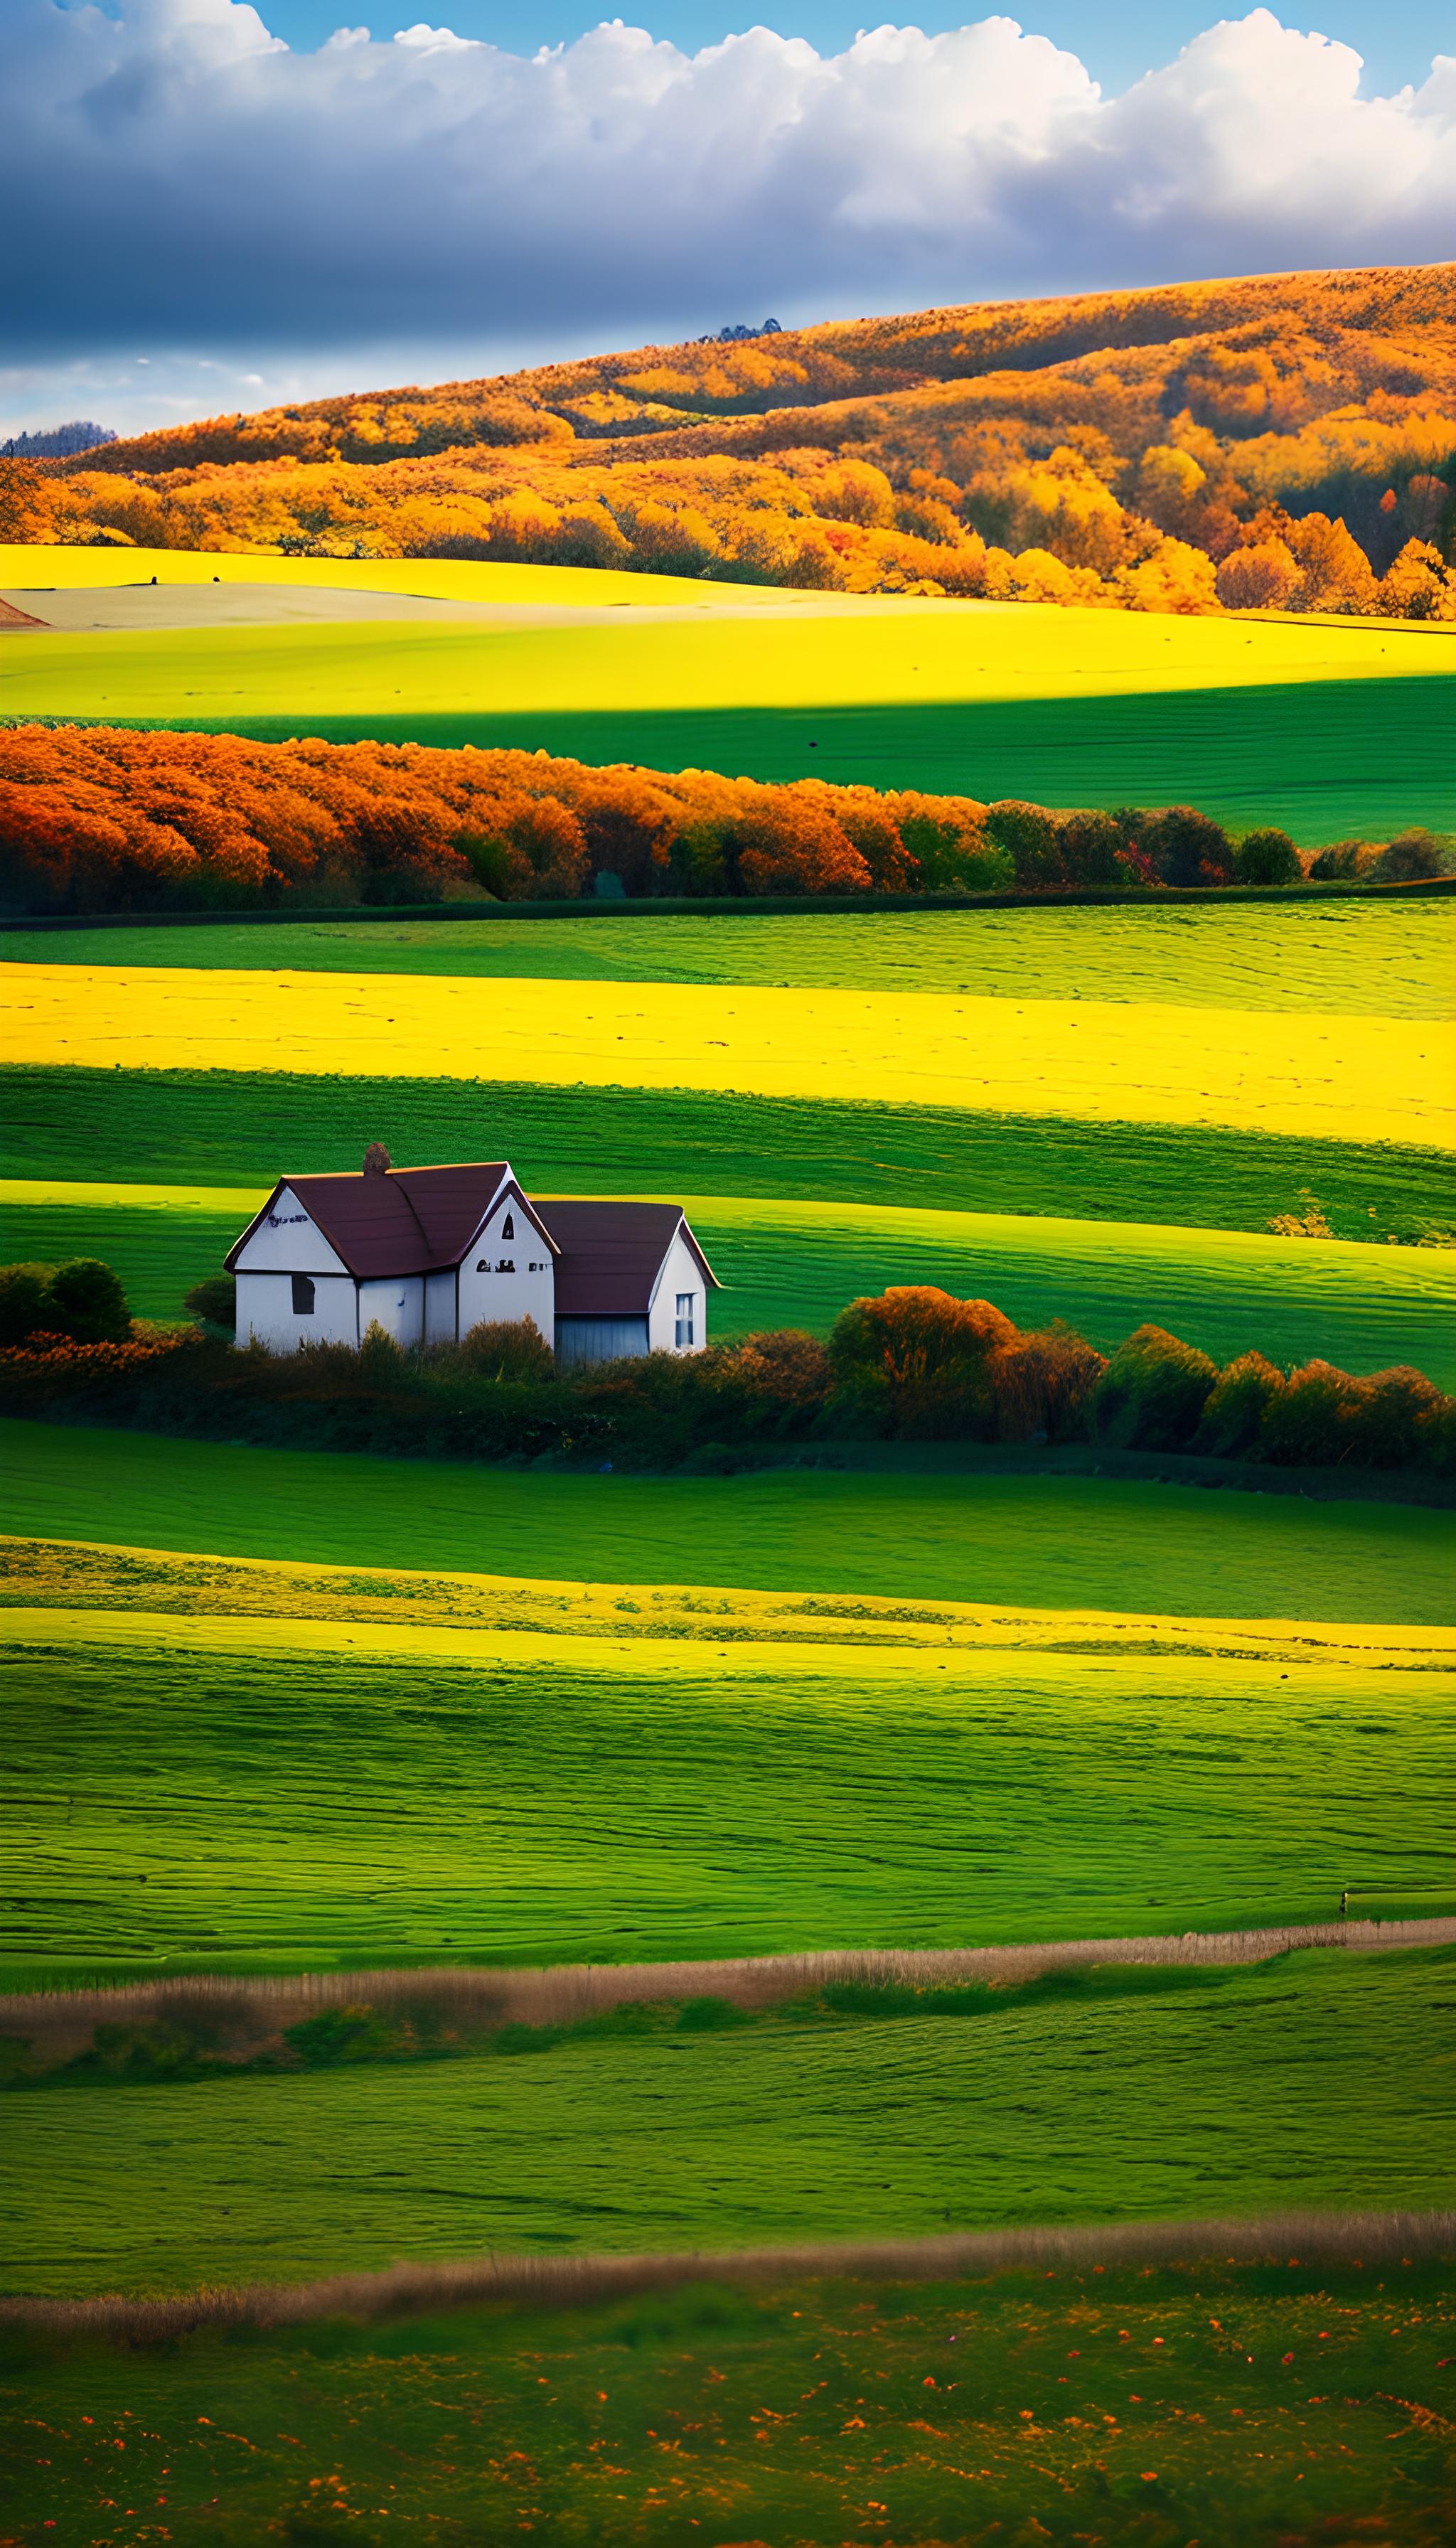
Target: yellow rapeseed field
[78, 570]
[85, 1579]
[1354, 1079]
[953, 1667]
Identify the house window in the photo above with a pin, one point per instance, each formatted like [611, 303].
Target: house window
[508, 1228]
[303, 1296]
[683, 1332]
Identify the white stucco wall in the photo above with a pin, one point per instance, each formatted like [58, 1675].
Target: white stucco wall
[439, 1307]
[398, 1306]
[682, 1272]
[265, 1310]
[526, 1292]
[289, 1240]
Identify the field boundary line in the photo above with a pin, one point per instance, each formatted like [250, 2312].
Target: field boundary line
[560, 1994]
[721, 906]
[559, 2282]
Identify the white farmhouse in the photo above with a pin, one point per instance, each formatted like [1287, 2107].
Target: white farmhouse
[428, 1253]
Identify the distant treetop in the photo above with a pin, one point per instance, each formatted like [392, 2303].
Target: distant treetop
[59, 443]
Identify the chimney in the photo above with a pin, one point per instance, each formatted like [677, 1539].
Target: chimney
[376, 1160]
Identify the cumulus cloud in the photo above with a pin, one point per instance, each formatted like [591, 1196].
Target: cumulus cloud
[180, 178]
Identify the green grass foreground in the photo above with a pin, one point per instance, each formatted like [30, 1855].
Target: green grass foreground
[1268, 2407]
[1316, 2082]
[1057, 1542]
[201, 1128]
[785, 1265]
[252, 1801]
[1346, 959]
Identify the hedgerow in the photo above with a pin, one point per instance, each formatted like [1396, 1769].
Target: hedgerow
[913, 1364]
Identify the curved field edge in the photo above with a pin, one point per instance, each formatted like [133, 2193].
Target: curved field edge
[223, 1128]
[1381, 958]
[1045, 1542]
[1321, 2072]
[76, 1579]
[1375, 1079]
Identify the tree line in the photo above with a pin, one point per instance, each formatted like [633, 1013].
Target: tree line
[110, 818]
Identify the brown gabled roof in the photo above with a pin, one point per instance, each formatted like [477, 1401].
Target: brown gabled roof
[411, 1221]
[611, 1254]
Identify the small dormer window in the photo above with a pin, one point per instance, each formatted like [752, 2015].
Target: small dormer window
[508, 1228]
[303, 1296]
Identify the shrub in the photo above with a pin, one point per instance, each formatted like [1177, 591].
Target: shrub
[1387, 1419]
[1092, 848]
[22, 1301]
[913, 1362]
[783, 1365]
[213, 1301]
[1267, 857]
[1304, 1425]
[1341, 860]
[1235, 1413]
[339, 2036]
[380, 1362]
[84, 1300]
[1411, 858]
[1187, 848]
[1153, 1393]
[503, 1350]
[1032, 839]
[1040, 1385]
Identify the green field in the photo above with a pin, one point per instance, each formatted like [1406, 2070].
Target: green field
[1341, 960]
[943, 701]
[280, 1795]
[796, 1265]
[812, 2412]
[1315, 2081]
[234, 1128]
[1095, 1543]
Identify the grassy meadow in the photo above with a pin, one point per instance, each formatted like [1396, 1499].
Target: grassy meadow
[1051, 1542]
[1377, 957]
[1317, 2082]
[1267, 2395]
[239, 1129]
[189, 1792]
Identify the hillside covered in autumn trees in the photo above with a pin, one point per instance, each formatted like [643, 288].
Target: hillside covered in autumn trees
[1282, 442]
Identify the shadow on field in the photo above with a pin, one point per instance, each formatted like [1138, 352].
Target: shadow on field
[1322, 759]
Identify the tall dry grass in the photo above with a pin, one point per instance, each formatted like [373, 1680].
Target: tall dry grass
[561, 2281]
[247, 2010]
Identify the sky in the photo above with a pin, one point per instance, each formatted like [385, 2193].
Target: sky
[212, 206]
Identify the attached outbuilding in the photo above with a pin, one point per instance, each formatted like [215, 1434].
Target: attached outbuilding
[428, 1253]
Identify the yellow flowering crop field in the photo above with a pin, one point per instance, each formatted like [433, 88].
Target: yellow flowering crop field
[77, 1582]
[491, 586]
[1364, 1079]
